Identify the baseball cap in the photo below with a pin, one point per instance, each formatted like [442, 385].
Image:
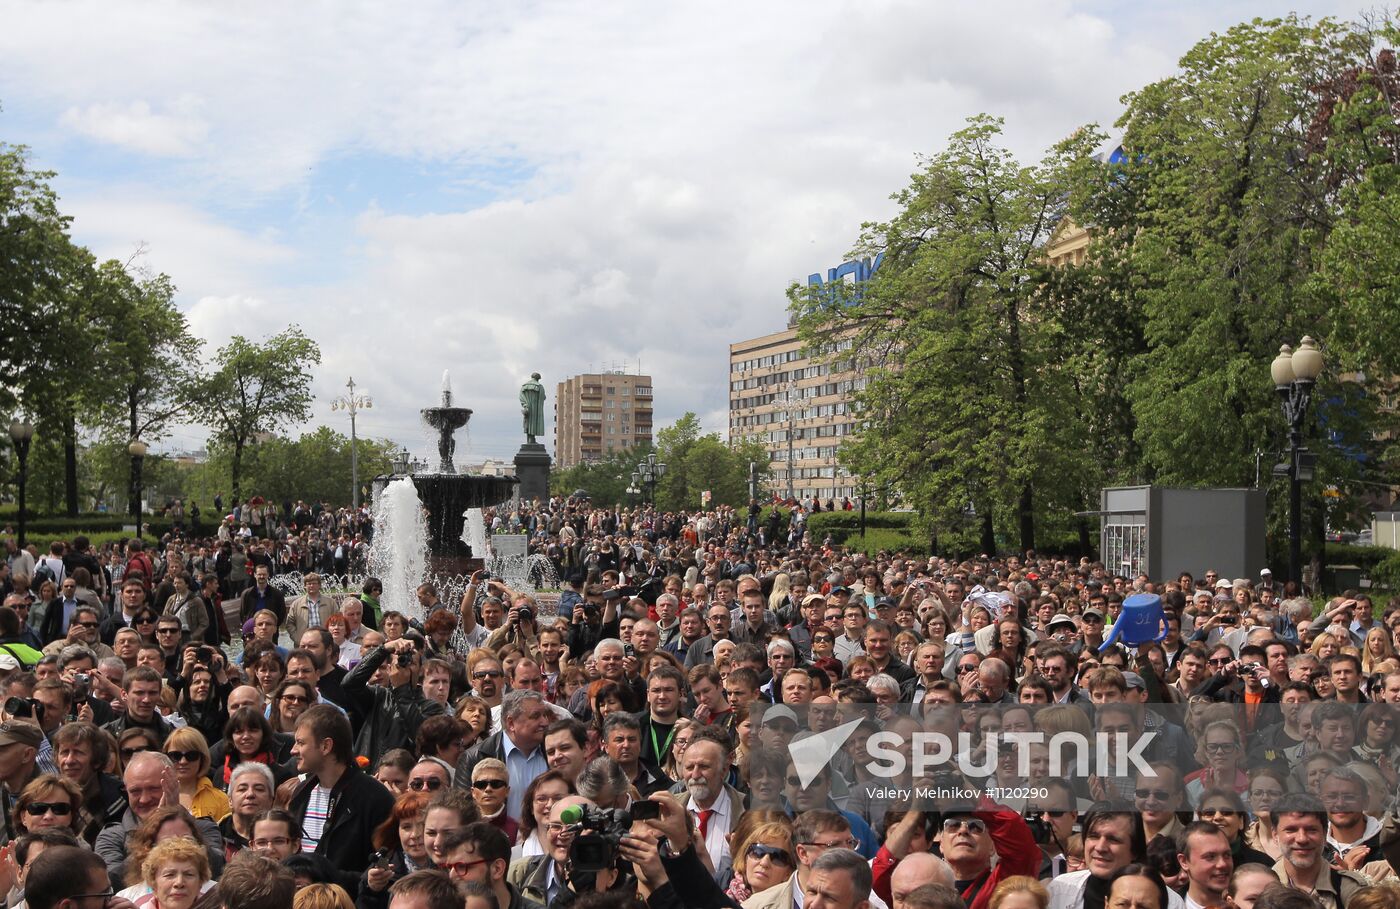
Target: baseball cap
[1133, 680]
[1265, 573]
[8, 663]
[18, 732]
[1092, 612]
[886, 603]
[813, 598]
[839, 589]
[1224, 584]
[779, 712]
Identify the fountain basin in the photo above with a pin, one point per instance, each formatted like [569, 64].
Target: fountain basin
[446, 498]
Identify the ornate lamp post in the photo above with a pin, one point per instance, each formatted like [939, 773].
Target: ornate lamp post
[402, 463]
[353, 403]
[22, 433]
[137, 449]
[647, 474]
[1294, 373]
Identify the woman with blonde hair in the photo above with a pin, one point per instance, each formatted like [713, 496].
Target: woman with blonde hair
[190, 753]
[1221, 756]
[1325, 646]
[177, 872]
[1020, 892]
[764, 859]
[1376, 649]
[322, 896]
[782, 586]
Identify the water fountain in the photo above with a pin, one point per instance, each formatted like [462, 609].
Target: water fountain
[446, 495]
[399, 554]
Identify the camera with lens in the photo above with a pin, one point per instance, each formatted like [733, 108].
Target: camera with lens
[403, 658]
[204, 656]
[599, 832]
[1040, 827]
[525, 614]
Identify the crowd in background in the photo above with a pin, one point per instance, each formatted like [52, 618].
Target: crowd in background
[181, 722]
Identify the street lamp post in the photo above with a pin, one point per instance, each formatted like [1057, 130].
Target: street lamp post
[647, 474]
[401, 463]
[137, 449]
[22, 433]
[791, 393]
[1294, 373]
[354, 404]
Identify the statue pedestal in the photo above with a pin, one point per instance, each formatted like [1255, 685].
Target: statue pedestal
[532, 470]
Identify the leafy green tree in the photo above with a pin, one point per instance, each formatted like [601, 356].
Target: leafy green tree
[965, 387]
[258, 388]
[315, 467]
[147, 358]
[605, 480]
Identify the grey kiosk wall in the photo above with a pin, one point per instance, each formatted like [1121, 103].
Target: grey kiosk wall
[1163, 531]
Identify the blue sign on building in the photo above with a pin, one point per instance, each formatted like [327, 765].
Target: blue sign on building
[860, 269]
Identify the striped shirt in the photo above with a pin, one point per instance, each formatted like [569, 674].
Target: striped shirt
[318, 807]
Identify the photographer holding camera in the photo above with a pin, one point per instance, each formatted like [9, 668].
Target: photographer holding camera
[520, 627]
[394, 712]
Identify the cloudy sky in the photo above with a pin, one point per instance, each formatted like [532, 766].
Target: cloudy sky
[496, 189]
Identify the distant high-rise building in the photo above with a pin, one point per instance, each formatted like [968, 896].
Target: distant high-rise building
[599, 413]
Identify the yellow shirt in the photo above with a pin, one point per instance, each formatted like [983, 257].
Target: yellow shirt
[209, 802]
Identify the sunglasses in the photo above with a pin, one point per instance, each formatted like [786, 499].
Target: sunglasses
[489, 784]
[1220, 747]
[1218, 812]
[757, 851]
[84, 624]
[972, 668]
[431, 783]
[973, 825]
[128, 753]
[487, 674]
[57, 809]
[1223, 661]
[167, 631]
[177, 756]
[1160, 795]
[296, 699]
[143, 620]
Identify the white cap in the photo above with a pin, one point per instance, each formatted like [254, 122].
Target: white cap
[1264, 572]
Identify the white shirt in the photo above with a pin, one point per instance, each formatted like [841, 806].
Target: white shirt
[716, 828]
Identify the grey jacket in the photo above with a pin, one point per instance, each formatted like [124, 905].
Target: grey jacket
[111, 846]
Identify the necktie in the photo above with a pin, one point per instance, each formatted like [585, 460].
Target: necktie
[705, 815]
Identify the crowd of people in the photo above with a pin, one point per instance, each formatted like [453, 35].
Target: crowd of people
[173, 739]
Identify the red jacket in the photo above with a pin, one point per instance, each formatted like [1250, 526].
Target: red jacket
[1015, 847]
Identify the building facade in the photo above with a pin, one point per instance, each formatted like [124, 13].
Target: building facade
[600, 413]
[799, 408]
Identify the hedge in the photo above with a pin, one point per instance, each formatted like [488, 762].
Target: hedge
[1365, 557]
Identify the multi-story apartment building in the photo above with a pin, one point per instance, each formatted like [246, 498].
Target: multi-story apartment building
[599, 413]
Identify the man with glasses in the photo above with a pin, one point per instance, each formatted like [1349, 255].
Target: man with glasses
[970, 839]
[480, 852]
[82, 629]
[429, 775]
[718, 620]
[966, 668]
[393, 712]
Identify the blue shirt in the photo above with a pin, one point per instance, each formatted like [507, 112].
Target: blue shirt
[523, 768]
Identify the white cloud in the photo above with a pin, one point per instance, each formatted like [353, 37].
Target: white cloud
[136, 127]
[685, 162]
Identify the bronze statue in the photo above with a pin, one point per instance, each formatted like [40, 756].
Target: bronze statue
[532, 407]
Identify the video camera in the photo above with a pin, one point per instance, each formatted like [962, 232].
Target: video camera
[598, 832]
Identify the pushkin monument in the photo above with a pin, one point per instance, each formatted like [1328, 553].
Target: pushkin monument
[532, 461]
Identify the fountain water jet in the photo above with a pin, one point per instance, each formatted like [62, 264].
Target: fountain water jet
[399, 554]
